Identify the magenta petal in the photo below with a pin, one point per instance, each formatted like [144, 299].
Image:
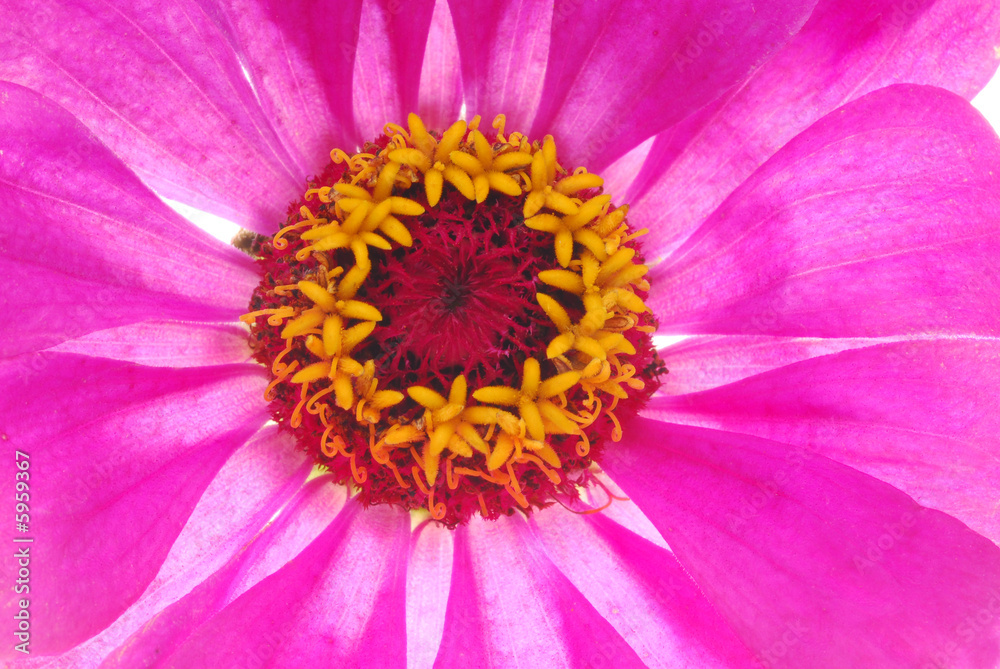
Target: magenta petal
[339, 603]
[814, 564]
[165, 344]
[620, 71]
[387, 68]
[85, 246]
[254, 484]
[504, 48]
[440, 99]
[916, 414]
[159, 637]
[121, 453]
[509, 606]
[428, 579]
[846, 49]
[704, 362]
[878, 220]
[300, 56]
[160, 84]
[642, 591]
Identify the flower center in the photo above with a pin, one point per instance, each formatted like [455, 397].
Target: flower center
[454, 322]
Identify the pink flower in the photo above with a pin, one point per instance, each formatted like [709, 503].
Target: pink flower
[821, 460]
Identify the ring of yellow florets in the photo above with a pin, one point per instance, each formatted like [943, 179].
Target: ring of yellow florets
[593, 298]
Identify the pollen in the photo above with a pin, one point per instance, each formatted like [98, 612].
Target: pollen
[454, 321]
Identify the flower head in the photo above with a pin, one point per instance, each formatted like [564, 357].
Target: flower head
[452, 317]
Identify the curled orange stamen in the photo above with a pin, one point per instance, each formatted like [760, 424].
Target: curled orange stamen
[277, 365]
[449, 473]
[338, 443]
[583, 446]
[282, 375]
[360, 474]
[537, 461]
[399, 478]
[616, 433]
[281, 243]
[311, 404]
[296, 418]
[438, 510]
[284, 312]
[417, 478]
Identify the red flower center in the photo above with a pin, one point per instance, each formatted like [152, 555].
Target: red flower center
[454, 322]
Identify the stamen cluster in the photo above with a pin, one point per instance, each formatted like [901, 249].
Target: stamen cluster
[504, 413]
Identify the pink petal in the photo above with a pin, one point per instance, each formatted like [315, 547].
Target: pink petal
[622, 512]
[813, 563]
[86, 246]
[707, 361]
[621, 71]
[509, 606]
[339, 603]
[846, 49]
[916, 414]
[165, 344]
[165, 631]
[300, 56]
[254, 484]
[642, 591]
[504, 48]
[881, 219]
[247, 492]
[391, 46]
[440, 99]
[619, 176]
[161, 85]
[428, 583]
[116, 452]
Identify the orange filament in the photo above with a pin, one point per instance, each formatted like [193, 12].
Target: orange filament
[616, 433]
[281, 244]
[296, 418]
[552, 475]
[282, 375]
[449, 472]
[277, 366]
[360, 474]
[513, 479]
[283, 312]
[583, 446]
[338, 443]
[311, 405]
[395, 472]
[417, 478]
[438, 510]
[380, 457]
[598, 509]
[417, 458]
